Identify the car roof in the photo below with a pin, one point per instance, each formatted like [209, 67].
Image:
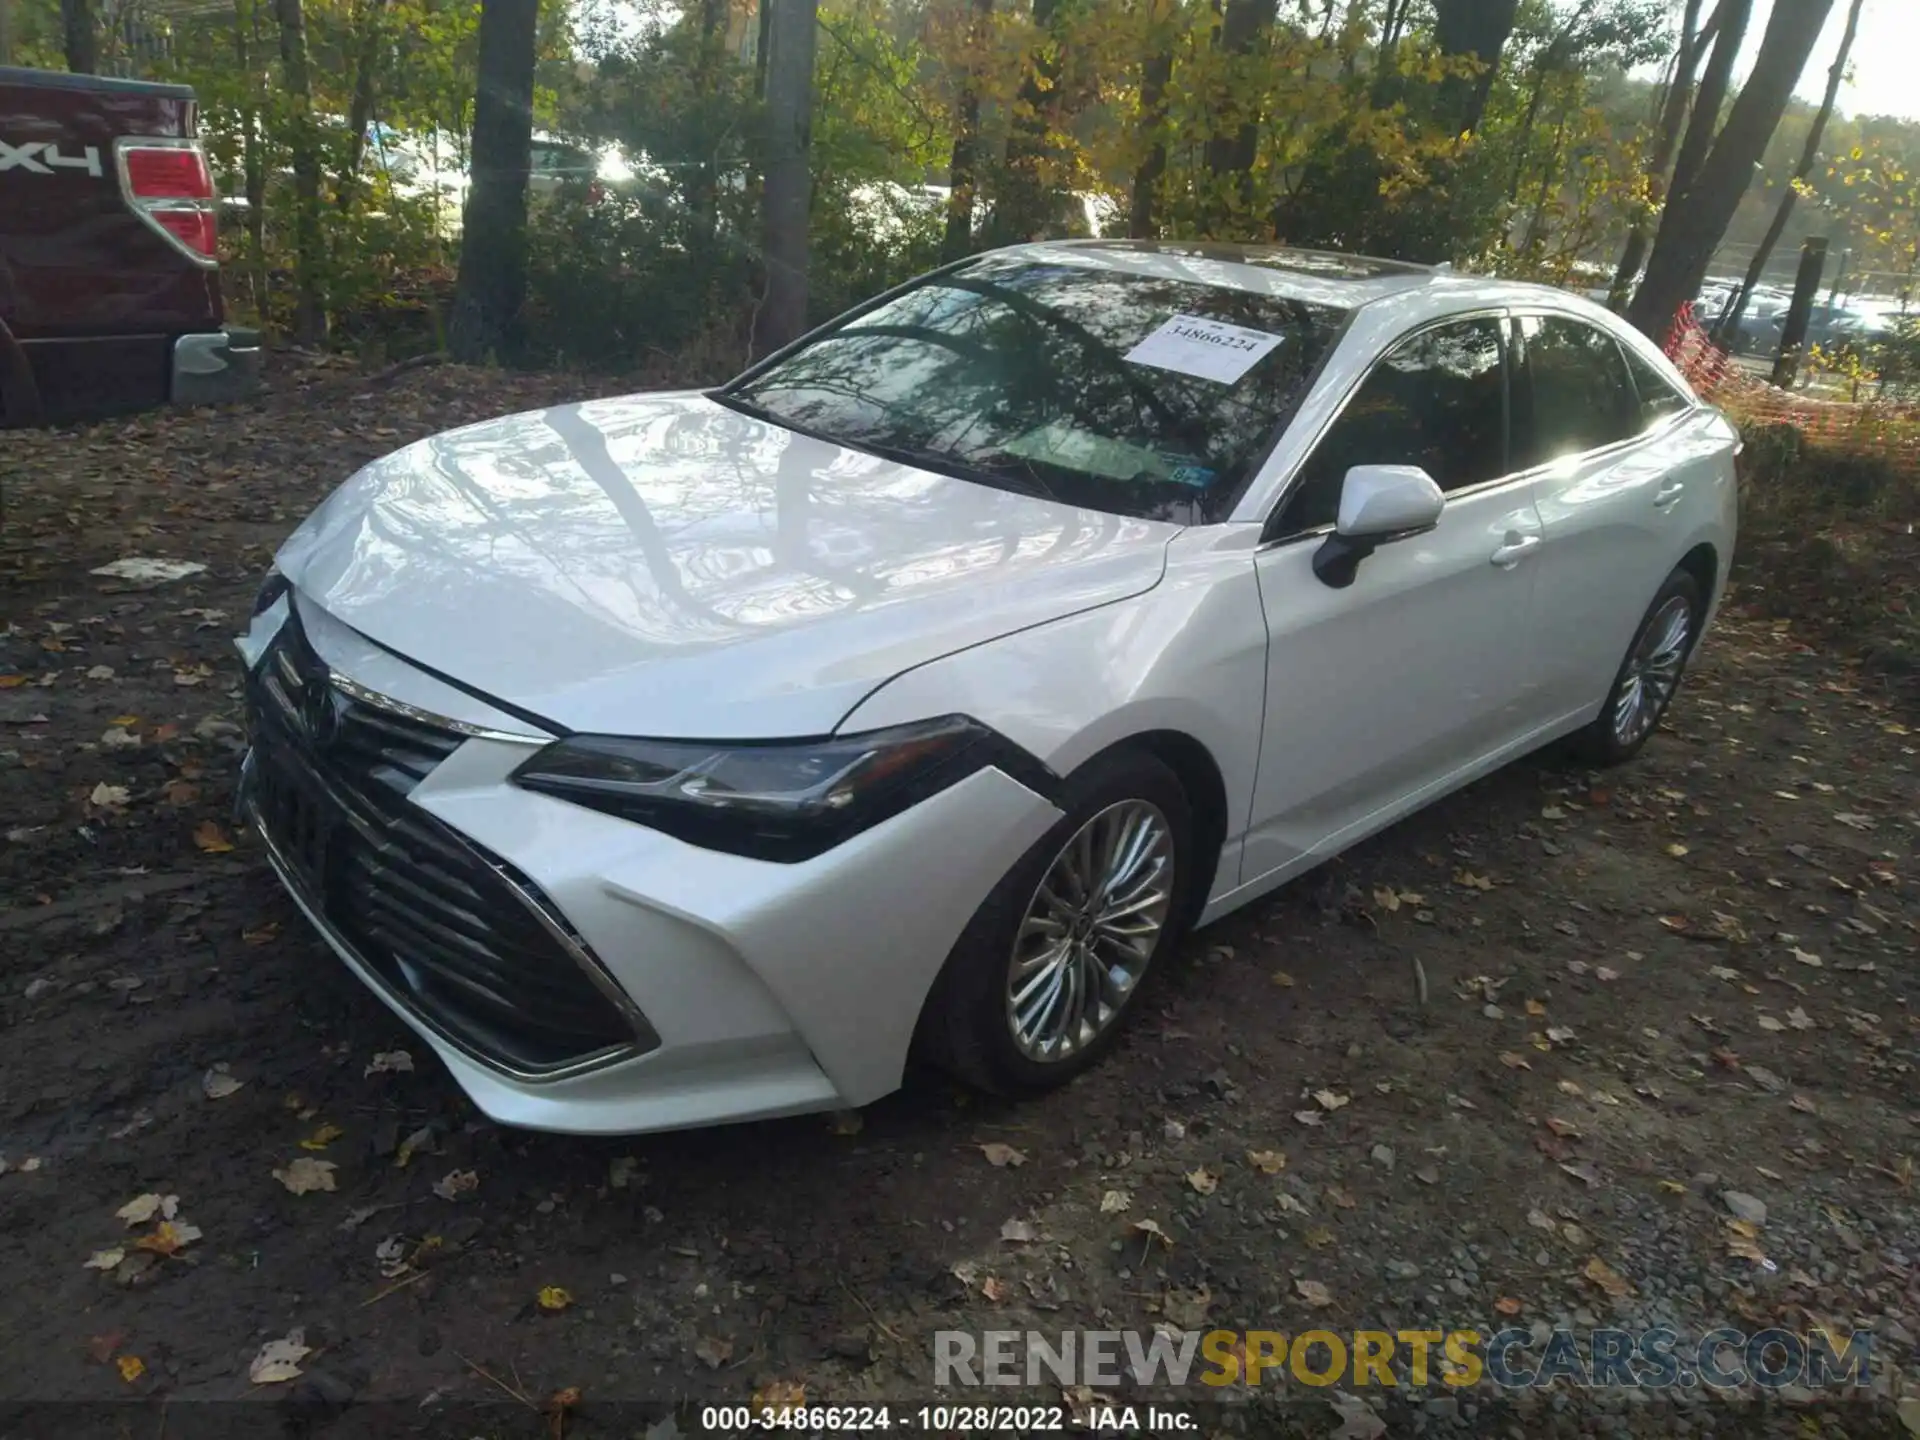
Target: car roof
[1319, 276]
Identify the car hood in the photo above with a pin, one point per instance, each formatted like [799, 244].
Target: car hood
[663, 565]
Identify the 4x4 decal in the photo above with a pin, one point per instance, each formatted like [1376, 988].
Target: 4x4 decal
[41, 157]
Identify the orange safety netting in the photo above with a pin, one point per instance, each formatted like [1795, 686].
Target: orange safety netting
[1880, 424]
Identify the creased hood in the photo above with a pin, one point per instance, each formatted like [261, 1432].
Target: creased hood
[662, 565]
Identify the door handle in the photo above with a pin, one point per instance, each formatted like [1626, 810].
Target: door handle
[1511, 553]
[1668, 494]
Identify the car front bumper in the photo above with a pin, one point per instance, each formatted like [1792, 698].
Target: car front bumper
[757, 989]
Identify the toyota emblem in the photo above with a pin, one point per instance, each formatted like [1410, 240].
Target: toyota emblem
[318, 712]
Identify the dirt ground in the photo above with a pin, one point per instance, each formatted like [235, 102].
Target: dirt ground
[1498, 1067]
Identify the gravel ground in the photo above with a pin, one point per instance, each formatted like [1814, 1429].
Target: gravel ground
[1569, 1049]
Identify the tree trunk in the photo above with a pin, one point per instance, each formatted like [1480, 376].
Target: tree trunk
[763, 37]
[1154, 78]
[83, 46]
[963, 171]
[1673, 115]
[784, 196]
[703, 185]
[366, 70]
[253, 177]
[492, 284]
[1231, 152]
[1697, 215]
[1477, 30]
[6, 32]
[1698, 137]
[1729, 324]
[309, 310]
[1023, 208]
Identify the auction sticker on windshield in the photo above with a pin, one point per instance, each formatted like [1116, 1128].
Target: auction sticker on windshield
[1210, 349]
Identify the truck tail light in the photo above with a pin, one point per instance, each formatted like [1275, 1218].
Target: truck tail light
[168, 184]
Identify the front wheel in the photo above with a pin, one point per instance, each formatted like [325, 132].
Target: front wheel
[1649, 676]
[1050, 967]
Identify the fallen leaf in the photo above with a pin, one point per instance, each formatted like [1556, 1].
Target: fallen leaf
[1283, 979]
[1804, 1105]
[142, 1208]
[132, 1367]
[169, 1237]
[1798, 1018]
[1673, 1187]
[1313, 1292]
[712, 1351]
[456, 1183]
[1807, 958]
[779, 1396]
[1515, 1061]
[995, 1289]
[553, 1299]
[1203, 1182]
[1536, 1007]
[1582, 1170]
[305, 1175]
[1472, 881]
[1342, 1198]
[420, 1142]
[1001, 1156]
[562, 1401]
[846, 1122]
[1115, 1201]
[218, 1084]
[1607, 1278]
[261, 934]
[1676, 850]
[1152, 1229]
[1310, 1117]
[100, 1348]
[1019, 1232]
[1564, 1128]
[322, 1138]
[209, 837]
[1330, 1099]
[1507, 1305]
[1769, 1024]
[390, 1062]
[104, 1259]
[1267, 1162]
[279, 1360]
[1386, 897]
[1318, 1238]
[1559, 1034]
[109, 797]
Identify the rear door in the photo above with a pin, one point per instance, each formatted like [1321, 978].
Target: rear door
[1609, 492]
[1380, 693]
[93, 291]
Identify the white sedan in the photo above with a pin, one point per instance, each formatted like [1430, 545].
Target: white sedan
[692, 757]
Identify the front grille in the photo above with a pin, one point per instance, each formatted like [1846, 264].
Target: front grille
[450, 930]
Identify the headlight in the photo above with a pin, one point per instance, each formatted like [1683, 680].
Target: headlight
[271, 589]
[785, 801]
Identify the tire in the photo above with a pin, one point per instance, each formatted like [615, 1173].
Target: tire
[1651, 672]
[968, 1027]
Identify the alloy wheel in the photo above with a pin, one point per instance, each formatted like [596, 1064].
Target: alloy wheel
[1652, 672]
[1089, 931]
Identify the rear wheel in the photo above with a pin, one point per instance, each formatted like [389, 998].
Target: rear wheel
[1649, 676]
[1051, 966]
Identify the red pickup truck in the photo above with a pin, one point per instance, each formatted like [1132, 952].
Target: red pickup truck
[109, 274]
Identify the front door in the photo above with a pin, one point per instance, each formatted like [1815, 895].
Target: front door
[1379, 693]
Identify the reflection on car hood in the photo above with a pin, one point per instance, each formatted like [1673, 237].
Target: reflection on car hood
[659, 564]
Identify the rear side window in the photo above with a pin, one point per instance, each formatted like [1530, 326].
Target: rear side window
[1582, 395]
[1437, 400]
[1658, 397]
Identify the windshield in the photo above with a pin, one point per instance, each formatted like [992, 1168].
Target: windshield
[1099, 387]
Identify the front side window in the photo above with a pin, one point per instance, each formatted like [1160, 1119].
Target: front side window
[1131, 393]
[1437, 400]
[1582, 396]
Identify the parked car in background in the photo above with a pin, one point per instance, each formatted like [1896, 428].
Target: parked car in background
[109, 277]
[677, 758]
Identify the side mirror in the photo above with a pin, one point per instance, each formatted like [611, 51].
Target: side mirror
[1378, 504]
